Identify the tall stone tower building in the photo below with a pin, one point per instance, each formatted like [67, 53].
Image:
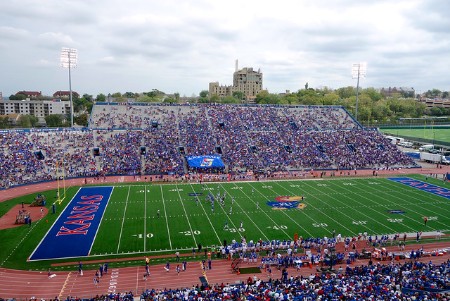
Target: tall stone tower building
[246, 80]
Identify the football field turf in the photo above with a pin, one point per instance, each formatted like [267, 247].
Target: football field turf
[312, 208]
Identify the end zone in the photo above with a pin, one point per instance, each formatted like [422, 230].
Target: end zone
[73, 233]
[437, 190]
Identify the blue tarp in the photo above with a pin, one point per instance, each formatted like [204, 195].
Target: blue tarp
[414, 155]
[208, 161]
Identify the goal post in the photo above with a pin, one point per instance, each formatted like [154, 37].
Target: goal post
[61, 181]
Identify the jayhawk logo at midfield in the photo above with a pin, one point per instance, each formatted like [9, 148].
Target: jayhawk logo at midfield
[286, 202]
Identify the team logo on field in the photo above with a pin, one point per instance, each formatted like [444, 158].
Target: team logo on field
[195, 193]
[396, 211]
[286, 202]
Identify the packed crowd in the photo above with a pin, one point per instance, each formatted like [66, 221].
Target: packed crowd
[423, 281]
[153, 139]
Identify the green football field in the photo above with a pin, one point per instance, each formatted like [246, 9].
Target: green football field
[131, 227]
[429, 133]
[347, 206]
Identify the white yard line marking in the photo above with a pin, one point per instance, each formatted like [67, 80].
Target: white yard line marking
[360, 211]
[262, 232]
[322, 212]
[187, 218]
[207, 216]
[165, 214]
[145, 218]
[422, 198]
[288, 216]
[420, 222]
[123, 220]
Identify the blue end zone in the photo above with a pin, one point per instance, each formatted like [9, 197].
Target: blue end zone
[437, 190]
[73, 233]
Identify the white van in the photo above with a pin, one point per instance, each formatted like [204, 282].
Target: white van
[426, 147]
[406, 144]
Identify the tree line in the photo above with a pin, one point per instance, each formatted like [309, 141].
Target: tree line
[373, 107]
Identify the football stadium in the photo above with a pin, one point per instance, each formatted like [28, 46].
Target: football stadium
[216, 201]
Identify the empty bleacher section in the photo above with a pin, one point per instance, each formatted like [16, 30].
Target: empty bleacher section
[250, 138]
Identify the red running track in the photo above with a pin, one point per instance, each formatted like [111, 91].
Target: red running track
[25, 284]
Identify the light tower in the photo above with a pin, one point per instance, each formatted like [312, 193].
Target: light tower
[69, 58]
[358, 70]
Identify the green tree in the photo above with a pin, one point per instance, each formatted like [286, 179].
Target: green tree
[239, 95]
[88, 97]
[309, 97]
[203, 96]
[346, 92]
[373, 94]
[230, 99]
[27, 121]
[170, 100]
[82, 119]
[215, 98]
[130, 95]
[264, 97]
[54, 120]
[436, 111]
[145, 98]
[4, 122]
[204, 93]
[289, 99]
[101, 97]
[17, 97]
[330, 99]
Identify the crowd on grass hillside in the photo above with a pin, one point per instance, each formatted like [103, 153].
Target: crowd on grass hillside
[137, 140]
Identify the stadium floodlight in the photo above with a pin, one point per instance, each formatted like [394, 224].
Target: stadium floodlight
[359, 70]
[69, 59]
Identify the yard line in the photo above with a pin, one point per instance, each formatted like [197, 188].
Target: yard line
[165, 214]
[207, 216]
[385, 206]
[145, 218]
[262, 232]
[409, 203]
[185, 213]
[231, 221]
[287, 215]
[419, 192]
[322, 212]
[350, 218]
[123, 219]
[268, 216]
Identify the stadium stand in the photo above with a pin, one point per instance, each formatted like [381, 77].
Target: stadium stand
[250, 138]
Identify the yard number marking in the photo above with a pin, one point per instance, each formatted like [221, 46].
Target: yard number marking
[359, 222]
[140, 235]
[189, 233]
[280, 227]
[318, 225]
[395, 220]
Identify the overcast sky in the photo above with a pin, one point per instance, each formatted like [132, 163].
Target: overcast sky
[182, 45]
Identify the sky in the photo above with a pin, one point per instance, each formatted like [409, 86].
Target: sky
[179, 46]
